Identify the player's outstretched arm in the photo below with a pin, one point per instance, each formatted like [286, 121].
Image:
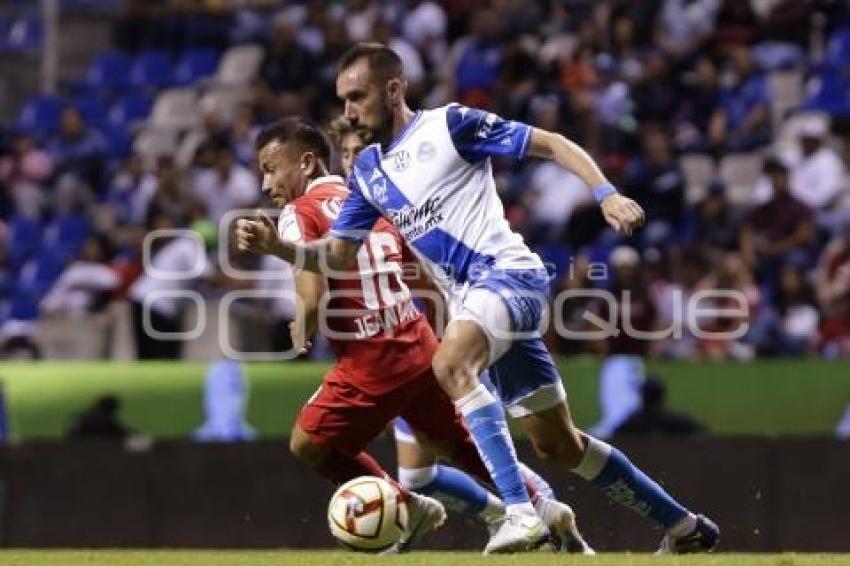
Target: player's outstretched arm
[309, 288]
[622, 213]
[259, 235]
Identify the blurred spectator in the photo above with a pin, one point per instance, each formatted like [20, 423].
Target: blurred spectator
[716, 223]
[741, 121]
[698, 100]
[475, 60]
[832, 275]
[731, 335]
[226, 185]
[737, 24]
[244, 133]
[684, 25]
[101, 420]
[130, 191]
[842, 429]
[656, 182]
[23, 171]
[288, 66]
[627, 343]
[225, 401]
[166, 196]
[672, 298]
[424, 26]
[787, 327]
[817, 175]
[162, 290]
[85, 285]
[779, 231]
[654, 418]
[411, 62]
[78, 150]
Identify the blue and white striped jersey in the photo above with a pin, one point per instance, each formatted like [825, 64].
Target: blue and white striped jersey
[434, 183]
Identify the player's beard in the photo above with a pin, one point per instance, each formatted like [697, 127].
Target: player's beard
[383, 131]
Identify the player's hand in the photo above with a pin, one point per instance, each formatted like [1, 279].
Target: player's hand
[257, 235]
[299, 341]
[622, 213]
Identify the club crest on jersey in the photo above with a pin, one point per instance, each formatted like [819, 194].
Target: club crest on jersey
[378, 187]
[401, 160]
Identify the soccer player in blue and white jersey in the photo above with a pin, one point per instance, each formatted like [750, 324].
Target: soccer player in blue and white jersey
[429, 174]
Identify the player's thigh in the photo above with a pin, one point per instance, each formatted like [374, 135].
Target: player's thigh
[412, 453]
[344, 418]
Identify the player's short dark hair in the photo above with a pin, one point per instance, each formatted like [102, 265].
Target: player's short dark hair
[384, 63]
[303, 134]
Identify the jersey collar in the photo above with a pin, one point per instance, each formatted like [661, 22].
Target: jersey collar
[326, 180]
[403, 133]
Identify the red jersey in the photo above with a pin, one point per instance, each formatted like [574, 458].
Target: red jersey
[380, 338]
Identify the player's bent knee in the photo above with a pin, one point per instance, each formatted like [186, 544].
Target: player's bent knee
[453, 375]
[305, 449]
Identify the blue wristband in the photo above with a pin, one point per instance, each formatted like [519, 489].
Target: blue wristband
[602, 191]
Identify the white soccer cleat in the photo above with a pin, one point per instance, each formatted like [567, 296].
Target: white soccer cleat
[518, 533]
[561, 520]
[424, 514]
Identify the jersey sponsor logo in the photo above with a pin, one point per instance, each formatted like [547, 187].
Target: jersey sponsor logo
[401, 160]
[426, 151]
[378, 187]
[413, 221]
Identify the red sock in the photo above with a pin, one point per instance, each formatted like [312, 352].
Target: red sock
[339, 467]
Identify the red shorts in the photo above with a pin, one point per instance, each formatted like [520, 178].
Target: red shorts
[341, 416]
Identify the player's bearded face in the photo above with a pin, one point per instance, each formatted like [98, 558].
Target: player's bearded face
[367, 101]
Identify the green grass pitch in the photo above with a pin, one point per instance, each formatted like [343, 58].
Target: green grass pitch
[164, 399]
[317, 558]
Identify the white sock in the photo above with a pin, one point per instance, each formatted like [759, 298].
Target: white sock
[683, 527]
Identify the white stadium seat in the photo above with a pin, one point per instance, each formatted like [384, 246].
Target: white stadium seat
[152, 143]
[239, 65]
[176, 109]
[786, 90]
[699, 170]
[740, 171]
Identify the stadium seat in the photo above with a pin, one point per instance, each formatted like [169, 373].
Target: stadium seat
[240, 65]
[24, 239]
[699, 170]
[22, 34]
[829, 92]
[130, 109]
[110, 70]
[66, 234]
[152, 69]
[786, 89]
[838, 48]
[223, 101]
[740, 171]
[175, 108]
[41, 114]
[119, 140]
[151, 143]
[195, 64]
[91, 109]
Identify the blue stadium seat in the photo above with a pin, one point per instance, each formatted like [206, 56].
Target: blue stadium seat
[557, 257]
[22, 34]
[23, 306]
[830, 92]
[91, 109]
[119, 140]
[24, 239]
[195, 64]
[41, 114]
[66, 234]
[129, 109]
[838, 49]
[110, 70]
[152, 69]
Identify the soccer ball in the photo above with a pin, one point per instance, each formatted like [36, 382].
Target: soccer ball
[367, 515]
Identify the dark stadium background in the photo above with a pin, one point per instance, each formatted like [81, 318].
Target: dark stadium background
[122, 117]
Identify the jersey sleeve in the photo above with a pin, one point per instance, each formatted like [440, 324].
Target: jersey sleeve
[357, 216]
[300, 223]
[477, 134]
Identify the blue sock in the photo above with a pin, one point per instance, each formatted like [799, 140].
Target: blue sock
[485, 419]
[609, 470]
[455, 489]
